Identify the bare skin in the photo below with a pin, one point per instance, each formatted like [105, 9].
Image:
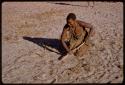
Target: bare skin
[73, 23]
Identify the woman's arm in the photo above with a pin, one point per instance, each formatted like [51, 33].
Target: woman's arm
[63, 39]
[88, 27]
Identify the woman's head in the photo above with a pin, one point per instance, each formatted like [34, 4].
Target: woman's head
[71, 19]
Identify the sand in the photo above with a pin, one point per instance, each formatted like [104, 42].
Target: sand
[28, 27]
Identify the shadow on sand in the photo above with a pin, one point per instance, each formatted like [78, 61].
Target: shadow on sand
[48, 44]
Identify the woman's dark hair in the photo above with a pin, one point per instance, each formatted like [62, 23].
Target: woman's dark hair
[71, 16]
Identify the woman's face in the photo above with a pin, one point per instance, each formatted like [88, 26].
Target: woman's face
[71, 22]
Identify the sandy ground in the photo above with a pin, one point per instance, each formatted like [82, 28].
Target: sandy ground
[28, 27]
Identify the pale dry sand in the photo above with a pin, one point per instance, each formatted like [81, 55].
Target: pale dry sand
[26, 62]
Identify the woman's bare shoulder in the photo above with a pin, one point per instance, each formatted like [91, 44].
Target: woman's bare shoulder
[66, 26]
[83, 23]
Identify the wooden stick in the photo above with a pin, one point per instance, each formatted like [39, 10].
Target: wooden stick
[78, 47]
[72, 50]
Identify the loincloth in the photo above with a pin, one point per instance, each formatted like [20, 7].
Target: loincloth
[83, 49]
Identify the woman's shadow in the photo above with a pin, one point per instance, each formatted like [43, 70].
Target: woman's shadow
[48, 44]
